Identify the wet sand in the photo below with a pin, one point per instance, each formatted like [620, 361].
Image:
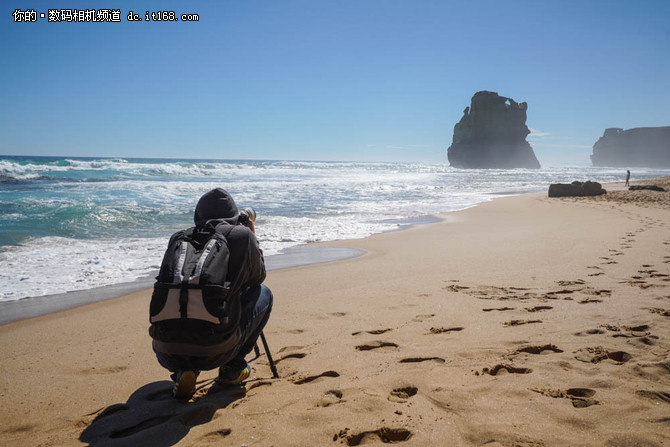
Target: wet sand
[525, 321]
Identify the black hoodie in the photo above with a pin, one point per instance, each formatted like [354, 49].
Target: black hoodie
[246, 268]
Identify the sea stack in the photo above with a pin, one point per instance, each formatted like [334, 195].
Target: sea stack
[637, 147]
[492, 134]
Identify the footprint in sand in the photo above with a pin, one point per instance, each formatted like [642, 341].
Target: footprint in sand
[402, 395]
[505, 369]
[373, 332]
[378, 344]
[539, 349]
[601, 292]
[501, 309]
[580, 397]
[309, 379]
[330, 397]
[575, 282]
[338, 314]
[597, 354]
[589, 332]
[455, 288]
[422, 359]
[658, 310]
[105, 370]
[385, 435]
[554, 295]
[639, 333]
[538, 308]
[590, 300]
[520, 322]
[296, 355]
[635, 281]
[442, 330]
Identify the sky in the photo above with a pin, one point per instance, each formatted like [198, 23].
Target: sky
[366, 80]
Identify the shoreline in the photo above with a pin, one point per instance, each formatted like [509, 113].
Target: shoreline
[296, 256]
[30, 307]
[62, 288]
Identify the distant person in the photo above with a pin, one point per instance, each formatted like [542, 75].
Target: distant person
[209, 305]
[628, 177]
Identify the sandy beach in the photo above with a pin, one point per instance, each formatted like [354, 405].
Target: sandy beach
[525, 321]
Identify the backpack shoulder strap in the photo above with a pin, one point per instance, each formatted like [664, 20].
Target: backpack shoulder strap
[224, 229]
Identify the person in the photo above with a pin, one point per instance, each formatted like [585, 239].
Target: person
[185, 361]
[627, 177]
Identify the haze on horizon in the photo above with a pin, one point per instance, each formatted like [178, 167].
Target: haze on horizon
[315, 80]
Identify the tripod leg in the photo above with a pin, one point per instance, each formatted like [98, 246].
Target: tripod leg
[257, 350]
[273, 367]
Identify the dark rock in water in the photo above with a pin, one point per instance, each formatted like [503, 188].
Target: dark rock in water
[576, 189]
[492, 134]
[649, 187]
[641, 146]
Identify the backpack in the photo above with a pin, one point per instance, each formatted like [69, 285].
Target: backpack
[192, 299]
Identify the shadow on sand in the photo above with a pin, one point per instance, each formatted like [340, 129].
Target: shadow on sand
[151, 417]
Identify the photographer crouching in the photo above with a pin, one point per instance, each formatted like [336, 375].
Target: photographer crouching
[209, 305]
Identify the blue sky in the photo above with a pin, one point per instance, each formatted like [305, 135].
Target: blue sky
[327, 80]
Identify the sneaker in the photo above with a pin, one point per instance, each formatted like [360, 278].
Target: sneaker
[233, 376]
[184, 387]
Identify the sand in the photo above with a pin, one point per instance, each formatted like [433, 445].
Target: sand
[525, 321]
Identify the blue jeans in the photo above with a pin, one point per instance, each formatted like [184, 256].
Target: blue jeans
[256, 308]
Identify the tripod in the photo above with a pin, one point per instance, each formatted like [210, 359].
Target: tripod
[257, 351]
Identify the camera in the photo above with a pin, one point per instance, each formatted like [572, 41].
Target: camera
[247, 214]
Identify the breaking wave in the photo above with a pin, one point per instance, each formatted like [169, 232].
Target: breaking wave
[77, 223]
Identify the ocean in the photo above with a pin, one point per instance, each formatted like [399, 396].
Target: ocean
[69, 223]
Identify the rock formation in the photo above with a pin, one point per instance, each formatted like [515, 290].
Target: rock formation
[576, 189]
[640, 146]
[492, 134]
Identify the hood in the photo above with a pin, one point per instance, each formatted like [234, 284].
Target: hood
[216, 204]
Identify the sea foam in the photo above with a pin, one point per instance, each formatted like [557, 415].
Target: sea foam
[78, 223]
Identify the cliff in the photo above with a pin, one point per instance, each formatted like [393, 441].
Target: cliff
[640, 146]
[492, 134]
